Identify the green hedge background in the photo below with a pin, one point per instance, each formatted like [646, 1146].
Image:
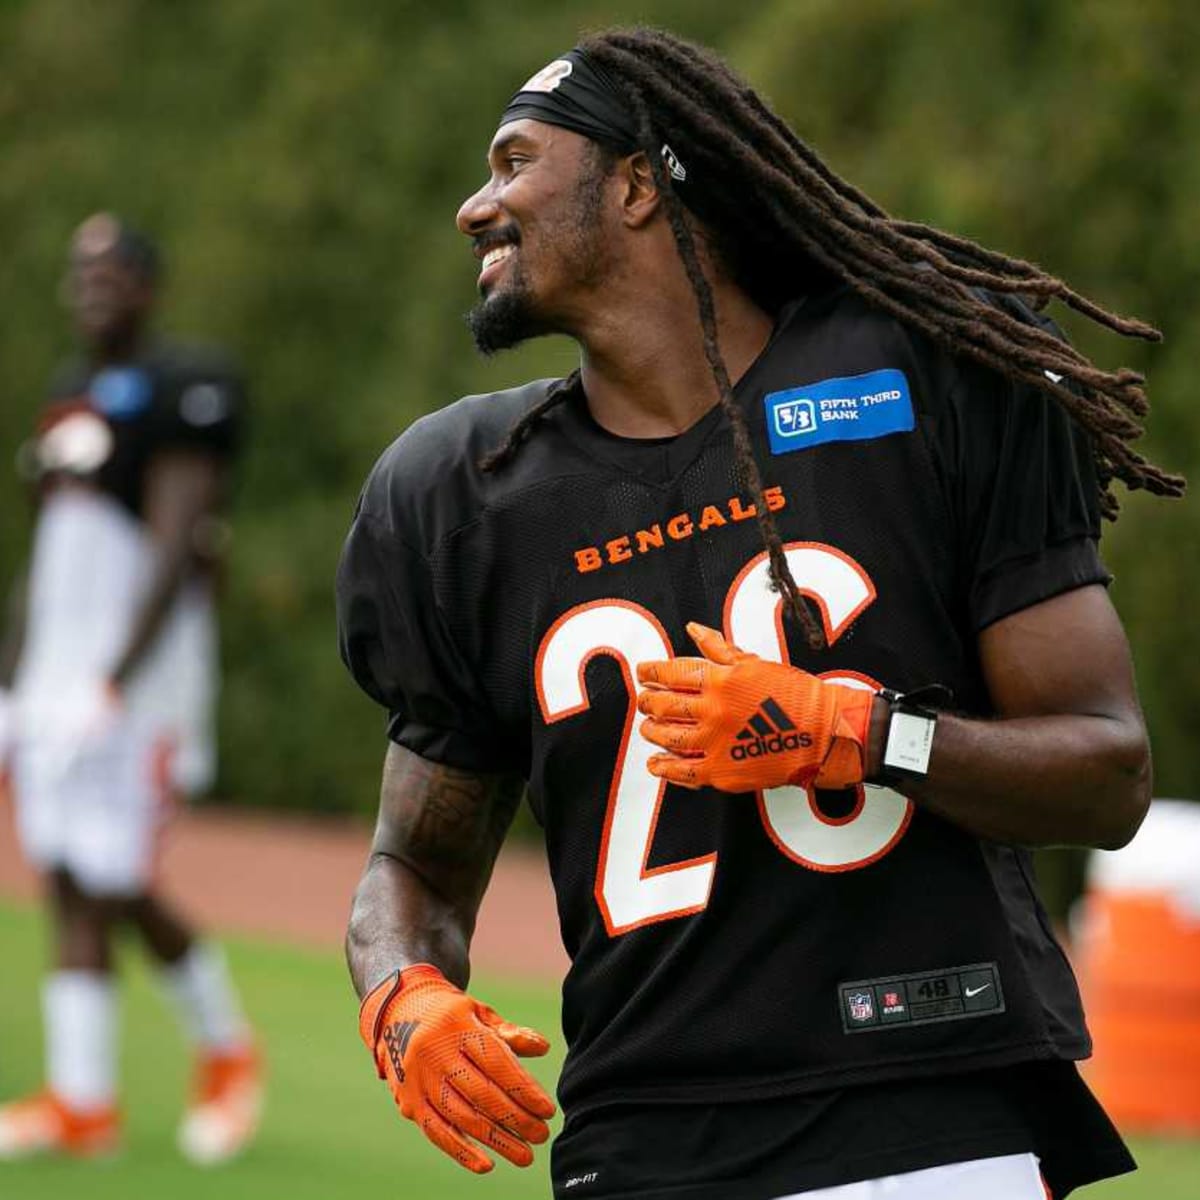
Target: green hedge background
[302, 163]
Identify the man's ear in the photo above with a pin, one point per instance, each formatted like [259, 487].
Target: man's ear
[640, 197]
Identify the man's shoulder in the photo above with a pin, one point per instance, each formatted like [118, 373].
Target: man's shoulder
[429, 480]
[843, 303]
[850, 328]
[171, 364]
[457, 436]
[179, 362]
[840, 328]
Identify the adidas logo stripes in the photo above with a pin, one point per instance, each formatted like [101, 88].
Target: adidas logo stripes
[397, 1037]
[768, 731]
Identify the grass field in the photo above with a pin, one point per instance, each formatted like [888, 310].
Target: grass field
[330, 1131]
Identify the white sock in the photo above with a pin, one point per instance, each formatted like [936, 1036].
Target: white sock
[79, 1009]
[206, 1000]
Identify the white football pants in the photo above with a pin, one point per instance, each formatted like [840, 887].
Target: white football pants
[1010, 1177]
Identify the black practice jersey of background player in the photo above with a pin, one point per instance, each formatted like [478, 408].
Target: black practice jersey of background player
[738, 947]
[102, 425]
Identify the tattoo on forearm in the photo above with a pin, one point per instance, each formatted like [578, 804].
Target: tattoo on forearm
[445, 823]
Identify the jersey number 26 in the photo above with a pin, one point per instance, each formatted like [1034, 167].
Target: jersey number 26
[629, 893]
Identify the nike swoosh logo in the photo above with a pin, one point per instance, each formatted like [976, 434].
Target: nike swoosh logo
[969, 992]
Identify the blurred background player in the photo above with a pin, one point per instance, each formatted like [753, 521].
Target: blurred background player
[106, 688]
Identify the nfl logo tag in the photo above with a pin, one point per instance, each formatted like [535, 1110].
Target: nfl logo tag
[861, 1006]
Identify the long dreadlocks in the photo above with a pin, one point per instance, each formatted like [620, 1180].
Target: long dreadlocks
[777, 214]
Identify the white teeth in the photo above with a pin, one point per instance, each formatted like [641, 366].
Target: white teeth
[498, 254]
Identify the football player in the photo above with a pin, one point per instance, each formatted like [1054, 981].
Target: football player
[112, 673]
[786, 611]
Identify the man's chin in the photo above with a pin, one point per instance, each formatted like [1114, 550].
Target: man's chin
[501, 321]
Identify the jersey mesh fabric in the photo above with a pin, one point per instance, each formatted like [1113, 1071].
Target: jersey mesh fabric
[760, 1150]
[451, 581]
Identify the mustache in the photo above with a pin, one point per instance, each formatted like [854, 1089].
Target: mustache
[507, 235]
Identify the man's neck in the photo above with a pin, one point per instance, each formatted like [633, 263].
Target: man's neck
[645, 373]
[120, 348]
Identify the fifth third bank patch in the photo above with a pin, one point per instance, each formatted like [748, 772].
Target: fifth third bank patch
[849, 409]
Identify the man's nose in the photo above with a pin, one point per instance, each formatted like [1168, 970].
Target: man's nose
[477, 212]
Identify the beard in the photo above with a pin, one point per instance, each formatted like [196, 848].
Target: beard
[505, 319]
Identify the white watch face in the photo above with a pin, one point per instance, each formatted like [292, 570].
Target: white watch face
[909, 742]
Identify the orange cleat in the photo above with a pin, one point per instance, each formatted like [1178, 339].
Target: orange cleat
[226, 1106]
[43, 1124]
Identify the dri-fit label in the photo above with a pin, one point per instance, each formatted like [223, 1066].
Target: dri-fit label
[850, 409]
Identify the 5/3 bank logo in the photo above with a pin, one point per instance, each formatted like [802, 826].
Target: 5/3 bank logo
[795, 418]
[851, 408]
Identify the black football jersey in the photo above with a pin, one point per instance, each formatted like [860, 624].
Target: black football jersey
[102, 425]
[737, 947]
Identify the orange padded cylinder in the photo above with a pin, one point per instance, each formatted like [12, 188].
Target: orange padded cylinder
[1138, 958]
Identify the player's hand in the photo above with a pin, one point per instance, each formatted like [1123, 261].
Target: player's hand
[78, 722]
[84, 711]
[86, 714]
[452, 1068]
[737, 722]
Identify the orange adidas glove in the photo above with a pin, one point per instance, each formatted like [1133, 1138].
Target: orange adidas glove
[452, 1068]
[737, 722]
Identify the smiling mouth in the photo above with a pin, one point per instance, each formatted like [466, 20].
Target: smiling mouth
[498, 254]
[492, 263]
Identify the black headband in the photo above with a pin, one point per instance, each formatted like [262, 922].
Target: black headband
[574, 93]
